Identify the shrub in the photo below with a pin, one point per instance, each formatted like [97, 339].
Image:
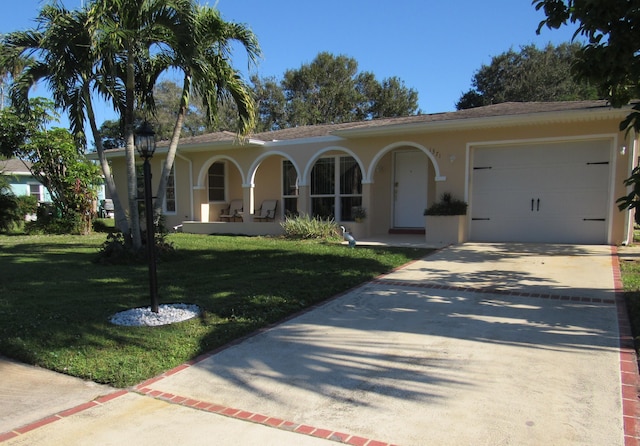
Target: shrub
[447, 206]
[51, 221]
[305, 227]
[9, 215]
[104, 225]
[117, 250]
[27, 204]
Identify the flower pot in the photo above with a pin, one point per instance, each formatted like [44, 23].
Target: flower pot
[444, 230]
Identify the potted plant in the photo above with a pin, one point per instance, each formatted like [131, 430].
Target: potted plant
[359, 214]
[445, 221]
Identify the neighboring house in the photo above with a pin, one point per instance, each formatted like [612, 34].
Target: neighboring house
[531, 172]
[22, 181]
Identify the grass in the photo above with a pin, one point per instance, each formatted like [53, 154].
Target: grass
[630, 272]
[55, 303]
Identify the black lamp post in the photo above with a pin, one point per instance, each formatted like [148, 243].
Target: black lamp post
[146, 146]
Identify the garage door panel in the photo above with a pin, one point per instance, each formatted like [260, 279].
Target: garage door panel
[552, 192]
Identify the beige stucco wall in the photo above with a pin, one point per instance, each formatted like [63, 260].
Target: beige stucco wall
[255, 170]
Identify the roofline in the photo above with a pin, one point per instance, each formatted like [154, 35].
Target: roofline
[487, 122]
[17, 173]
[366, 129]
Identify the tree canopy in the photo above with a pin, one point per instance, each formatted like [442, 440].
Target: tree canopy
[531, 74]
[331, 90]
[56, 160]
[610, 58]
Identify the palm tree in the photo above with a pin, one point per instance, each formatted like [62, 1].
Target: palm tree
[135, 40]
[204, 55]
[59, 52]
[118, 49]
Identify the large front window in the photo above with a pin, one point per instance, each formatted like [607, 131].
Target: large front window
[336, 188]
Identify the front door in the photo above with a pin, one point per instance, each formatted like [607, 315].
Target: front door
[410, 189]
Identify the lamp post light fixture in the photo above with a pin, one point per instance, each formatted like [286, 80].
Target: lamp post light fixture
[146, 146]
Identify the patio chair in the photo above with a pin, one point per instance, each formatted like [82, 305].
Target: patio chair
[233, 211]
[267, 211]
[106, 208]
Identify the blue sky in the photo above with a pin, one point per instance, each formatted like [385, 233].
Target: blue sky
[434, 46]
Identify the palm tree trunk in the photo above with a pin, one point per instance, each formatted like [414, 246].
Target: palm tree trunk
[173, 147]
[121, 217]
[132, 178]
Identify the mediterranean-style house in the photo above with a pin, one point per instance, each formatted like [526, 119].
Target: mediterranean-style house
[530, 172]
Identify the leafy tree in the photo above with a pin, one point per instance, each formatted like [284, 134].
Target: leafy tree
[610, 58]
[112, 134]
[56, 160]
[528, 75]
[16, 128]
[272, 114]
[323, 91]
[391, 99]
[330, 90]
[167, 101]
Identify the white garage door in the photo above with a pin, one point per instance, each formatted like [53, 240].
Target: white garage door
[554, 193]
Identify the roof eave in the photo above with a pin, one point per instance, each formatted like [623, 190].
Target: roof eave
[487, 122]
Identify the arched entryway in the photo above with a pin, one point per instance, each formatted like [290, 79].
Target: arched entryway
[403, 180]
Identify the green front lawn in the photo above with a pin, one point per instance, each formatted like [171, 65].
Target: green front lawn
[55, 303]
[630, 271]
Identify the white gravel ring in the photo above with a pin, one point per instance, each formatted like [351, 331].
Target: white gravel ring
[167, 314]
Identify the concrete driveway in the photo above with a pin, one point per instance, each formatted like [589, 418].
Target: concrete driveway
[478, 344]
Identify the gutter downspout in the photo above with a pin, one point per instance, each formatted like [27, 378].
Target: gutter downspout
[629, 221]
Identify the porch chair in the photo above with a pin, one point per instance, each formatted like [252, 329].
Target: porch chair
[267, 211]
[233, 211]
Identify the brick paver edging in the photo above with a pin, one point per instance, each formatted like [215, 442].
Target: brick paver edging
[629, 378]
[491, 290]
[257, 418]
[60, 415]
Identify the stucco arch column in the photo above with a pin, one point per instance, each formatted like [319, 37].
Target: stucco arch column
[248, 202]
[304, 200]
[201, 196]
[367, 202]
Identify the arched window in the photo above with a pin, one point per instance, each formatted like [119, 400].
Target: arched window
[217, 181]
[336, 188]
[289, 187]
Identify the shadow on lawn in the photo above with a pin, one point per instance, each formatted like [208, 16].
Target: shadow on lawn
[53, 298]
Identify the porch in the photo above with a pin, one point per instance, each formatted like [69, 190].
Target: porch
[239, 228]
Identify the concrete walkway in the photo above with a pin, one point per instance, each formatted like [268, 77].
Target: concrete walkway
[478, 344]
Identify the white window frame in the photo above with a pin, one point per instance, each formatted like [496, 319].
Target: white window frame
[224, 177]
[171, 183]
[336, 195]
